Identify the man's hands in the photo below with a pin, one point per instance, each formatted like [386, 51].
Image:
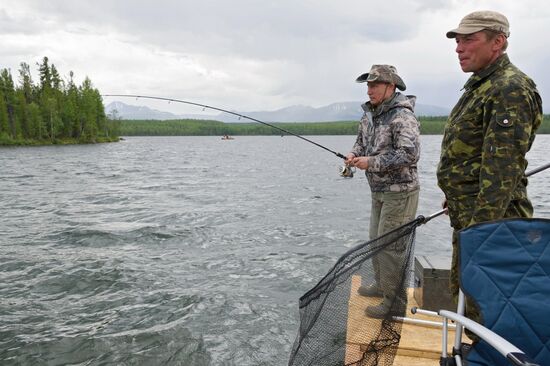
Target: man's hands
[349, 159]
[361, 162]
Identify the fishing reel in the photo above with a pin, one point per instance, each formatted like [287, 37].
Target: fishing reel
[347, 171]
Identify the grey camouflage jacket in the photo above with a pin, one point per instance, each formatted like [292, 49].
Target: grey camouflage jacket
[389, 136]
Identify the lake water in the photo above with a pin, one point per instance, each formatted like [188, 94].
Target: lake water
[183, 250]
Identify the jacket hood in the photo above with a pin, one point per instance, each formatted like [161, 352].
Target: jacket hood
[398, 100]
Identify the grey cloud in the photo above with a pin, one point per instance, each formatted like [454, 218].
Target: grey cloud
[434, 5]
[251, 28]
[284, 52]
[10, 24]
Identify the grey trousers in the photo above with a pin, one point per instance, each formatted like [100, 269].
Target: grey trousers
[389, 211]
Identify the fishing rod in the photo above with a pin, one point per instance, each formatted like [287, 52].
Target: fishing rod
[226, 111]
[424, 220]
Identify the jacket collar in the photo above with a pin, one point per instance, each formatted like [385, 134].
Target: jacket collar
[382, 107]
[476, 78]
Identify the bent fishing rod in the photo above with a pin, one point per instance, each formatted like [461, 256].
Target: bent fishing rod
[422, 220]
[225, 111]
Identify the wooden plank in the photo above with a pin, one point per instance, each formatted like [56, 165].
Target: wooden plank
[414, 361]
[424, 341]
[358, 325]
[418, 342]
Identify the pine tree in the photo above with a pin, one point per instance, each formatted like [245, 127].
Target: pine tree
[35, 122]
[21, 113]
[4, 132]
[10, 100]
[88, 113]
[50, 99]
[45, 75]
[69, 110]
[25, 80]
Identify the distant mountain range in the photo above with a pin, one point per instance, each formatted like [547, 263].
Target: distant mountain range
[344, 111]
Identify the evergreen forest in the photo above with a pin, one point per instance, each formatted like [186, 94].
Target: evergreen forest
[51, 111]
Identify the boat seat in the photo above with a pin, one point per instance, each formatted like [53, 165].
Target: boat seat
[505, 269]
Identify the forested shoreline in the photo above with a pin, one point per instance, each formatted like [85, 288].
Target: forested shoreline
[57, 111]
[428, 126]
[52, 111]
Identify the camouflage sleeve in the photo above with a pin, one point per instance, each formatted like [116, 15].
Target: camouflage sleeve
[405, 144]
[359, 146]
[513, 118]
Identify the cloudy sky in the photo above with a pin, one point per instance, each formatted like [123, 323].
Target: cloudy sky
[251, 55]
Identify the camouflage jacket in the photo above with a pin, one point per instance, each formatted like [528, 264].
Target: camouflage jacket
[389, 136]
[488, 133]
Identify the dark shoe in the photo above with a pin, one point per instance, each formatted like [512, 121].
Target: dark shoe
[372, 290]
[377, 311]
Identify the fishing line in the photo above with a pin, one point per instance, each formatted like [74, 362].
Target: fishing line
[226, 111]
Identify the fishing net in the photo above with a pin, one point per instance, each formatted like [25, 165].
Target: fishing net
[334, 327]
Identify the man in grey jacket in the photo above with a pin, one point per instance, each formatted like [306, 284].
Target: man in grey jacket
[388, 149]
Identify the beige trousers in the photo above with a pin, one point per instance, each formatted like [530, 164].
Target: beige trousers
[389, 211]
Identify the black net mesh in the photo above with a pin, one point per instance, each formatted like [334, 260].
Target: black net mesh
[334, 327]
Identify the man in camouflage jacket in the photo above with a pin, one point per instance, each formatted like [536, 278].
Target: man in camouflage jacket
[388, 149]
[488, 133]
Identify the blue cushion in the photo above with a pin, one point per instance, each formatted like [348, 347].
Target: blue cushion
[505, 268]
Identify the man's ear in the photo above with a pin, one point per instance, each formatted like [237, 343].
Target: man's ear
[500, 40]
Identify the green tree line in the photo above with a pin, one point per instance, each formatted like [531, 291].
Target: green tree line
[428, 126]
[52, 111]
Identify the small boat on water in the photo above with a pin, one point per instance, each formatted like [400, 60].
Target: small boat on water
[227, 137]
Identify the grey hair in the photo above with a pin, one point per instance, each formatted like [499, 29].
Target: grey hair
[491, 34]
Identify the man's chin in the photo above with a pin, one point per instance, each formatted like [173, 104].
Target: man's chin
[465, 67]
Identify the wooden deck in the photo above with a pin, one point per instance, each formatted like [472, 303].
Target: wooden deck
[419, 345]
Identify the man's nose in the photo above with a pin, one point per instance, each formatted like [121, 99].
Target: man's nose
[459, 48]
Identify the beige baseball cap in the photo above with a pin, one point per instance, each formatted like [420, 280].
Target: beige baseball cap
[480, 20]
